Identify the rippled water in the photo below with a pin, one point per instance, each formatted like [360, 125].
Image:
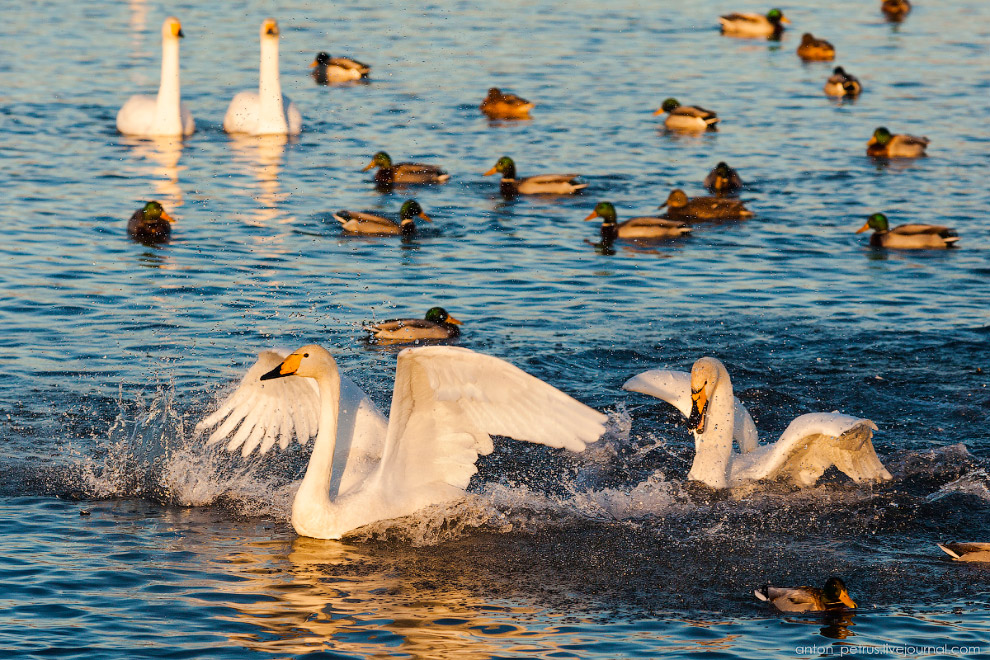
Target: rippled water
[123, 537]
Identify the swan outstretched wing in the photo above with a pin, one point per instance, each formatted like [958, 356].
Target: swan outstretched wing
[810, 445]
[448, 402]
[674, 387]
[259, 413]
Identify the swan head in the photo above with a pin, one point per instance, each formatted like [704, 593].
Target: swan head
[172, 29]
[705, 376]
[310, 361]
[835, 594]
[269, 29]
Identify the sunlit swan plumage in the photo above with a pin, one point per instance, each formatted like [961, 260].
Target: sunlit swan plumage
[446, 403]
[811, 443]
[164, 114]
[266, 111]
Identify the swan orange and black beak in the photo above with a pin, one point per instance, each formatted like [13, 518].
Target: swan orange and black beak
[699, 409]
[287, 368]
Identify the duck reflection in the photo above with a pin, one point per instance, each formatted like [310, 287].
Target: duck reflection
[343, 596]
[159, 160]
[262, 157]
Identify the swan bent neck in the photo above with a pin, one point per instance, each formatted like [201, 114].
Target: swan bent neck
[312, 509]
[713, 445]
[271, 119]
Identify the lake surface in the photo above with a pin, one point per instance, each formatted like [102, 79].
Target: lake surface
[123, 537]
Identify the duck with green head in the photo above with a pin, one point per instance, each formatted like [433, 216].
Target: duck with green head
[815, 50]
[389, 174]
[687, 117]
[723, 180]
[642, 227]
[681, 207]
[769, 26]
[908, 237]
[885, 144]
[437, 324]
[541, 184]
[833, 596]
[499, 105]
[355, 222]
[150, 224]
[841, 83]
[328, 70]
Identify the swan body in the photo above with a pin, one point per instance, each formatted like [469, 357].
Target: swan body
[266, 111]
[967, 551]
[446, 403]
[811, 443]
[165, 114]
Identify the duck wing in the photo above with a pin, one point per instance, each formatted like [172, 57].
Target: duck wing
[349, 64]
[791, 599]
[810, 445]
[367, 223]
[916, 229]
[695, 111]
[446, 405]
[257, 414]
[550, 183]
[674, 387]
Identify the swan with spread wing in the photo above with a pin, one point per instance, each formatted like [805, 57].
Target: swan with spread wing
[447, 402]
[810, 445]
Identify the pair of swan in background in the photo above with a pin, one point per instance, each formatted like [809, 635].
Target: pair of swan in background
[263, 112]
[447, 402]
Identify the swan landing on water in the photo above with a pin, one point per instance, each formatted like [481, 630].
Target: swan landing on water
[810, 445]
[446, 403]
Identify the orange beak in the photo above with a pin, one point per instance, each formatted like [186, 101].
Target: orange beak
[489, 172]
[846, 600]
[368, 166]
[658, 112]
[873, 140]
[451, 319]
[425, 217]
[592, 216]
[783, 19]
[313, 64]
[861, 230]
[167, 217]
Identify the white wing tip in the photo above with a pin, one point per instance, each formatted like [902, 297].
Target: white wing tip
[948, 551]
[761, 596]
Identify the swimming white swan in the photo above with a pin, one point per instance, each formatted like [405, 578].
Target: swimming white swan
[266, 111]
[811, 443]
[446, 403]
[165, 114]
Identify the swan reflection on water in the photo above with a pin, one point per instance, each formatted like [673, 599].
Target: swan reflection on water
[261, 159]
[158, 159]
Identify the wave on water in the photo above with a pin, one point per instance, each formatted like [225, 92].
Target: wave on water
[149, 451]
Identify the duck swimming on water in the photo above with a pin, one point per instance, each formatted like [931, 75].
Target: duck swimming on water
[437, 324]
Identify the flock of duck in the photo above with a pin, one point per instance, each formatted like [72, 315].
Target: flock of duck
[449, 401]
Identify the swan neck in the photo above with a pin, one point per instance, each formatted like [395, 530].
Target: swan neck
[167, 110]
[713, 447]
[315, 485]
[272, 114]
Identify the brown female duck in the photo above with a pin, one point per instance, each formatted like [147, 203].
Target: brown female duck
[680, 207]
[498, 105]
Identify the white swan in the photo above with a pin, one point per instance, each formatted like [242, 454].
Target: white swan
[811, 443]
[446, 403]
[165, 114]
[266, 111]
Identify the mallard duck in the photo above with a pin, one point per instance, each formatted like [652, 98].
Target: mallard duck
[438, 324]
[369, 223]
[895, 10]
[723, 180]
[884, 144]
[643, 227]
[328, 69]
[815, 49]
[505, 106]
[754, 25]
[150, 224]
[680, 207]
[542, 184]
[907, 237]
[967, 551]
[402, 173]
[686, 117]
[841, 83]
[834, 596]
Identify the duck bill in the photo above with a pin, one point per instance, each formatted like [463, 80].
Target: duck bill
[592, 216]
[659, 111]
[425, 217]
[451, 319]
[490, 172]
[784, 19]
[699, 411]
[315, 63]
[287, 368]
[368, 166]
[662, 205]
[846, 600]
[863, 228]
[166, 216]
[873, 141]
